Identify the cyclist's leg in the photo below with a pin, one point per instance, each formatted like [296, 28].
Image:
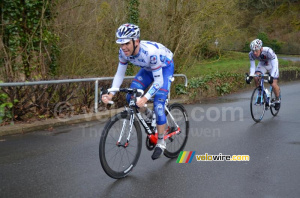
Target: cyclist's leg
[159, 109]
[275, 86]
[161, 96]
[276, 90]
[141, 81]
[260, 69]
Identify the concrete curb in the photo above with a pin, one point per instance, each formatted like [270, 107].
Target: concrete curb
[50, 123]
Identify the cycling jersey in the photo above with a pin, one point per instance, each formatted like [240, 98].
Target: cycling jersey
[157, 66]
[268, 62]
[152, 56]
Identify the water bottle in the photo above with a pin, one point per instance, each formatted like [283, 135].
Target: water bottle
[267, 92]
[153, 124]
[148, 113]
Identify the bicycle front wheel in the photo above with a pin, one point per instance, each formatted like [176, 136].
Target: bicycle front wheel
[117, 155]
[177, 142]
[257, 104]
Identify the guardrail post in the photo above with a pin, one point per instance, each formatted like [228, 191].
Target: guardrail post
[96, 97]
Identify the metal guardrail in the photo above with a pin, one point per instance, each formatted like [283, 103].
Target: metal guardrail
[96, 80]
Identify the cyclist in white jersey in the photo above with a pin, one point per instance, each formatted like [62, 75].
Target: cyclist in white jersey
[157, 67]
[268, 63]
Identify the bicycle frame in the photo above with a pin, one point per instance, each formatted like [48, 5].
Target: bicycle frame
[152, 134]
[133, 110]
[264, 94]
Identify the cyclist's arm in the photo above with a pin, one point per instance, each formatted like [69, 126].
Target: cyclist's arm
[158, 81]
[252, 67]
[119, 76]
[274, 61]
[274, 64]
[252, 63]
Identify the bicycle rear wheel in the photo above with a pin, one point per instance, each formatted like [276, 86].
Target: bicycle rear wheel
[257, 104]
[116, 156]
[272, 108]
[177, 142]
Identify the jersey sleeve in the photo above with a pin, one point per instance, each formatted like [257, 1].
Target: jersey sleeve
[122, 60]
[252, 67]
[252, 63]
[271, 54]
[120, 74]
[274, 64]
[251, 56]
[274, 61]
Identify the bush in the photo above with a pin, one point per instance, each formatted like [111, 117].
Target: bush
[212, 85]
[274, 44]
[5, 107]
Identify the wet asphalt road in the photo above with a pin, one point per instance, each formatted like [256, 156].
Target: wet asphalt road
[65, 163]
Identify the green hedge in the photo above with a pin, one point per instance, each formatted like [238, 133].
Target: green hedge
[219, 84]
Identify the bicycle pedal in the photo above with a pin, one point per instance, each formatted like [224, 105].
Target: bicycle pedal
[150, 146]
[172, 129]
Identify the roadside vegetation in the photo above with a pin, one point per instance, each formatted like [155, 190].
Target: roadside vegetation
[43, 40]
[226, 75]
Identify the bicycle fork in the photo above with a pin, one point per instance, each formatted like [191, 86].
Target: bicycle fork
[123, 131]
[260, 97]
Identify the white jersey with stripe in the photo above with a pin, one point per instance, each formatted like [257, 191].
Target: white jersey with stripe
[152, 56]
[267, 58]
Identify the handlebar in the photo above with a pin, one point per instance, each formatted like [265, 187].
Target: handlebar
[264, 77]
[257, 75]
[138, 92]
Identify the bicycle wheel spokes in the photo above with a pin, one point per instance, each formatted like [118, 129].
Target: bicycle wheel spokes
[176, 142]
[257, 105]
[118, 155]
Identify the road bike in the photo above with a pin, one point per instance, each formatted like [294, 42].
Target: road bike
[262, 99]
[121, 139]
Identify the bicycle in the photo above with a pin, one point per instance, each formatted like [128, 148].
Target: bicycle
[262, 99]
[121, 138]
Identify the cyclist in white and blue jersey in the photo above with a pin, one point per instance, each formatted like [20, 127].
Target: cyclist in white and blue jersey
[268, 63]
[157, 67]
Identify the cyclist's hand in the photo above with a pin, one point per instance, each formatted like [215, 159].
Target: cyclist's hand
[270, 80]
[106, 98]
[248, 79]
[141, 101]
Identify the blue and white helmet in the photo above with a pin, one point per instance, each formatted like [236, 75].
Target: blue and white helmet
[126, 32]
[256, 45]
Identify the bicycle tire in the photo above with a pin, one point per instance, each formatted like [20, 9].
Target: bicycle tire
[110, 152]
[257, 110]
[274, 112]
[176, 143]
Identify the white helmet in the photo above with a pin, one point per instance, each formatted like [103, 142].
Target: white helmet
[256, 45]
[126, 32]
